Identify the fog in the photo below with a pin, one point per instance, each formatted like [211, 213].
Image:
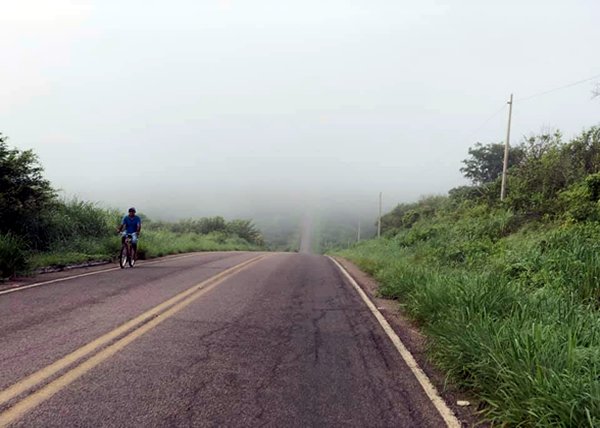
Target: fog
[270, 108]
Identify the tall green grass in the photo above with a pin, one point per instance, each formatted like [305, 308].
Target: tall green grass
[151, 244]
[13, 256]
[76, 232]
[160, 243]
[513, 317]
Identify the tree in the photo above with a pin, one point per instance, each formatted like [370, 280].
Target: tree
[245, 229]
[24, 193]
[544, 171]
[584, 152]
[486, 162]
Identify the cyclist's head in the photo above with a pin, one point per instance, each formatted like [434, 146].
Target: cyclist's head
[131, 211]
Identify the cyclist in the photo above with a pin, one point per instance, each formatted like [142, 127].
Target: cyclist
[133, 225]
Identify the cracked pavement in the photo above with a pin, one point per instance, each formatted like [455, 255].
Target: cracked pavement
[286, 342]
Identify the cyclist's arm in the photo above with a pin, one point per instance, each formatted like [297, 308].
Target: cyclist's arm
[139, 227]
[120, 228]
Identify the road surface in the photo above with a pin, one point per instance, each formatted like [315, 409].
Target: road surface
[279, 340]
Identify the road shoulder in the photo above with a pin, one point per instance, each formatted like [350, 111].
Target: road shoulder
[416, 343]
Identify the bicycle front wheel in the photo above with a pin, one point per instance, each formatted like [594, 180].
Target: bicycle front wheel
[123, 257]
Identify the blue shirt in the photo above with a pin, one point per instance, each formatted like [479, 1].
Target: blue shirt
[131, 224]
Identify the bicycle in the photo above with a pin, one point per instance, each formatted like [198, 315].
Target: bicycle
[128, 254]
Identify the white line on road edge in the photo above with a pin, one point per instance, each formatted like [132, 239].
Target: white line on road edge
[67, 278]
[38, 284]
[434, 396]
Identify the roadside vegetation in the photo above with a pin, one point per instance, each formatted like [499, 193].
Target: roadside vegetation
[508, 292]
[38, 229]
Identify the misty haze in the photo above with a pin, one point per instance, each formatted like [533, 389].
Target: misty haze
[258, 109]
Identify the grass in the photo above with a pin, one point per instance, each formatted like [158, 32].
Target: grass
[13, 257]
[513, 317]
[152, 244]
[63, 259]
[76, 232]
[161, 243]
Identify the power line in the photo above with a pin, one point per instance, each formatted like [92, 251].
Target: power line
[484, 123]
[497, 112]
[558, 89]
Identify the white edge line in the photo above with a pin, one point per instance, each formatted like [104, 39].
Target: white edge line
[39, 284]
[68, 278]
[430, 390]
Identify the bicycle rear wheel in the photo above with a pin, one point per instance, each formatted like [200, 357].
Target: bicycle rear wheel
[123, 257]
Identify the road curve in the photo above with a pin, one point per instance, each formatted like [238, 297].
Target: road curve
[281, 340]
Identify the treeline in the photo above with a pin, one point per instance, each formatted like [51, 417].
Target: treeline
[38, 229]
[244, 229]
[548, 179]
[508, 292]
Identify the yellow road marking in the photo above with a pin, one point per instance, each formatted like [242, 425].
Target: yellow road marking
[177, 302]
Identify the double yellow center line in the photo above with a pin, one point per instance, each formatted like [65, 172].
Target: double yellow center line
[135, 328]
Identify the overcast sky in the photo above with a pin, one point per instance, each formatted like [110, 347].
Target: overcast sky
[217, 106]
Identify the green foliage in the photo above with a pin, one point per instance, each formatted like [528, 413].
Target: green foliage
[244, 229]
[486, 162]
[584, 152]
[95, 239]
[403, 216]
[158, 243]
[579, 202]
[37, 229]
[202, 226]
[546, 175]
[73, 221]
[12, 255]
[463, 194]
[153, 243]
[62, 259]
[542, 174]
[512, 310]
[509, 293]
[592, 183]
[24, 193]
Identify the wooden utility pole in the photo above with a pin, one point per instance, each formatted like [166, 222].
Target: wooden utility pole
[506, 149]
[358, 232]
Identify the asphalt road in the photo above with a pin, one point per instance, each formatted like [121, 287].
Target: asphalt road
[282, 341]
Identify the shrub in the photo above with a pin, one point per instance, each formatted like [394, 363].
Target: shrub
[13, 256]
[24, 193]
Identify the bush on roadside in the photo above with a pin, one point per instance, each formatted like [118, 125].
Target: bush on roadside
[13, 255]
